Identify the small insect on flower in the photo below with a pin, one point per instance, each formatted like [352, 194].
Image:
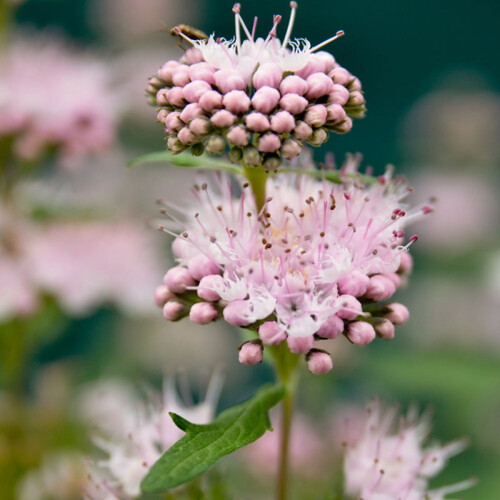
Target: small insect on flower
[260, 97]
[184, 30]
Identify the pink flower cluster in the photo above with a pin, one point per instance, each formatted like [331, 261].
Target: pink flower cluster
[263, 98]
[319, 260]
[385, 463]
[82, 265]
[52, 98]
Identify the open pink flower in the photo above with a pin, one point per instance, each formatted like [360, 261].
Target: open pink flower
[388, 463]
[317, 260]
[262, 97]
[54, 98]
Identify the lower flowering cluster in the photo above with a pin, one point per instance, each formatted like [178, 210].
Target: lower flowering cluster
[384, 463]
[319, 259]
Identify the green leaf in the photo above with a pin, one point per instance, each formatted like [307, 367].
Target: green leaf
[330, 175]
[203, 445]
[186, 160]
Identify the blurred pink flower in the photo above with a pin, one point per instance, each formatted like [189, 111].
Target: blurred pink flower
[18, 297]
[136, 443]
[87, 264]
[54, 97]
[306, 446]
[467, 209]
[385, 463]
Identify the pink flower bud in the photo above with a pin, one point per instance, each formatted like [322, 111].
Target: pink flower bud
[251, 353]
[335, 113]
[394, 278]
[293, 103]
[194, 90]
[180, 75]
[327, 59]
[385, 329]
[210, 100]
[174, 145]
[356, 98]
[161, 116]
[203, 313]
[349, 307]
[186, 136]
[290, 149]
[215, 144]
[162, 295]
[355, 283]
[340, 75]
[300, 345]
[265, 99]
[235, 313]
[173, 122]
[236, 101]
[223, 119]
[228, 79]
[282, 122]
[331, 327]
[267, 75]
[319, 361]
[191, 111]
[192, 56]
[319, 85]
[269, 143]
[201, 71]
[207, 287]
[178, 279]
[338, 95]
[380, 288]
[318, 137]
[166, 71]
[200, 126]
[238, 135]
[271, 333]
[175, 97]
[201, 265]
[161, 97]
[314, 65]
[302, 131]
[293, 84]
[398, 313]
[257, 122]
[316, 115]
[174, 310]
[360, 332]
[345, 126]
[355, 84]
[406, 263]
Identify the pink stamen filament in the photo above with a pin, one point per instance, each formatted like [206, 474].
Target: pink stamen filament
[339, 34]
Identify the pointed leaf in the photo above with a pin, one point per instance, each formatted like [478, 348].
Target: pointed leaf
[186, 160]
[203, 445]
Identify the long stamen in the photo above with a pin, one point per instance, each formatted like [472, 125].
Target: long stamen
[179, 32]
[294, 7]
[236, 11]
[254, 27]
[339, 34]
[272, 33]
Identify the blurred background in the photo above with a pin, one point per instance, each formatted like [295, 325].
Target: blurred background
[82, 315]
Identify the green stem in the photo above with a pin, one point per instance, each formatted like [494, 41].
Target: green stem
[257, 177]
[286, 364]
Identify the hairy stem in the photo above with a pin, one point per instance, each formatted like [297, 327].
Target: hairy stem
[257, 178]
[286, 364]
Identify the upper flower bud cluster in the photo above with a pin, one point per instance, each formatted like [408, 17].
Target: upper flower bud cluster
[261, 97]
[318, 260]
